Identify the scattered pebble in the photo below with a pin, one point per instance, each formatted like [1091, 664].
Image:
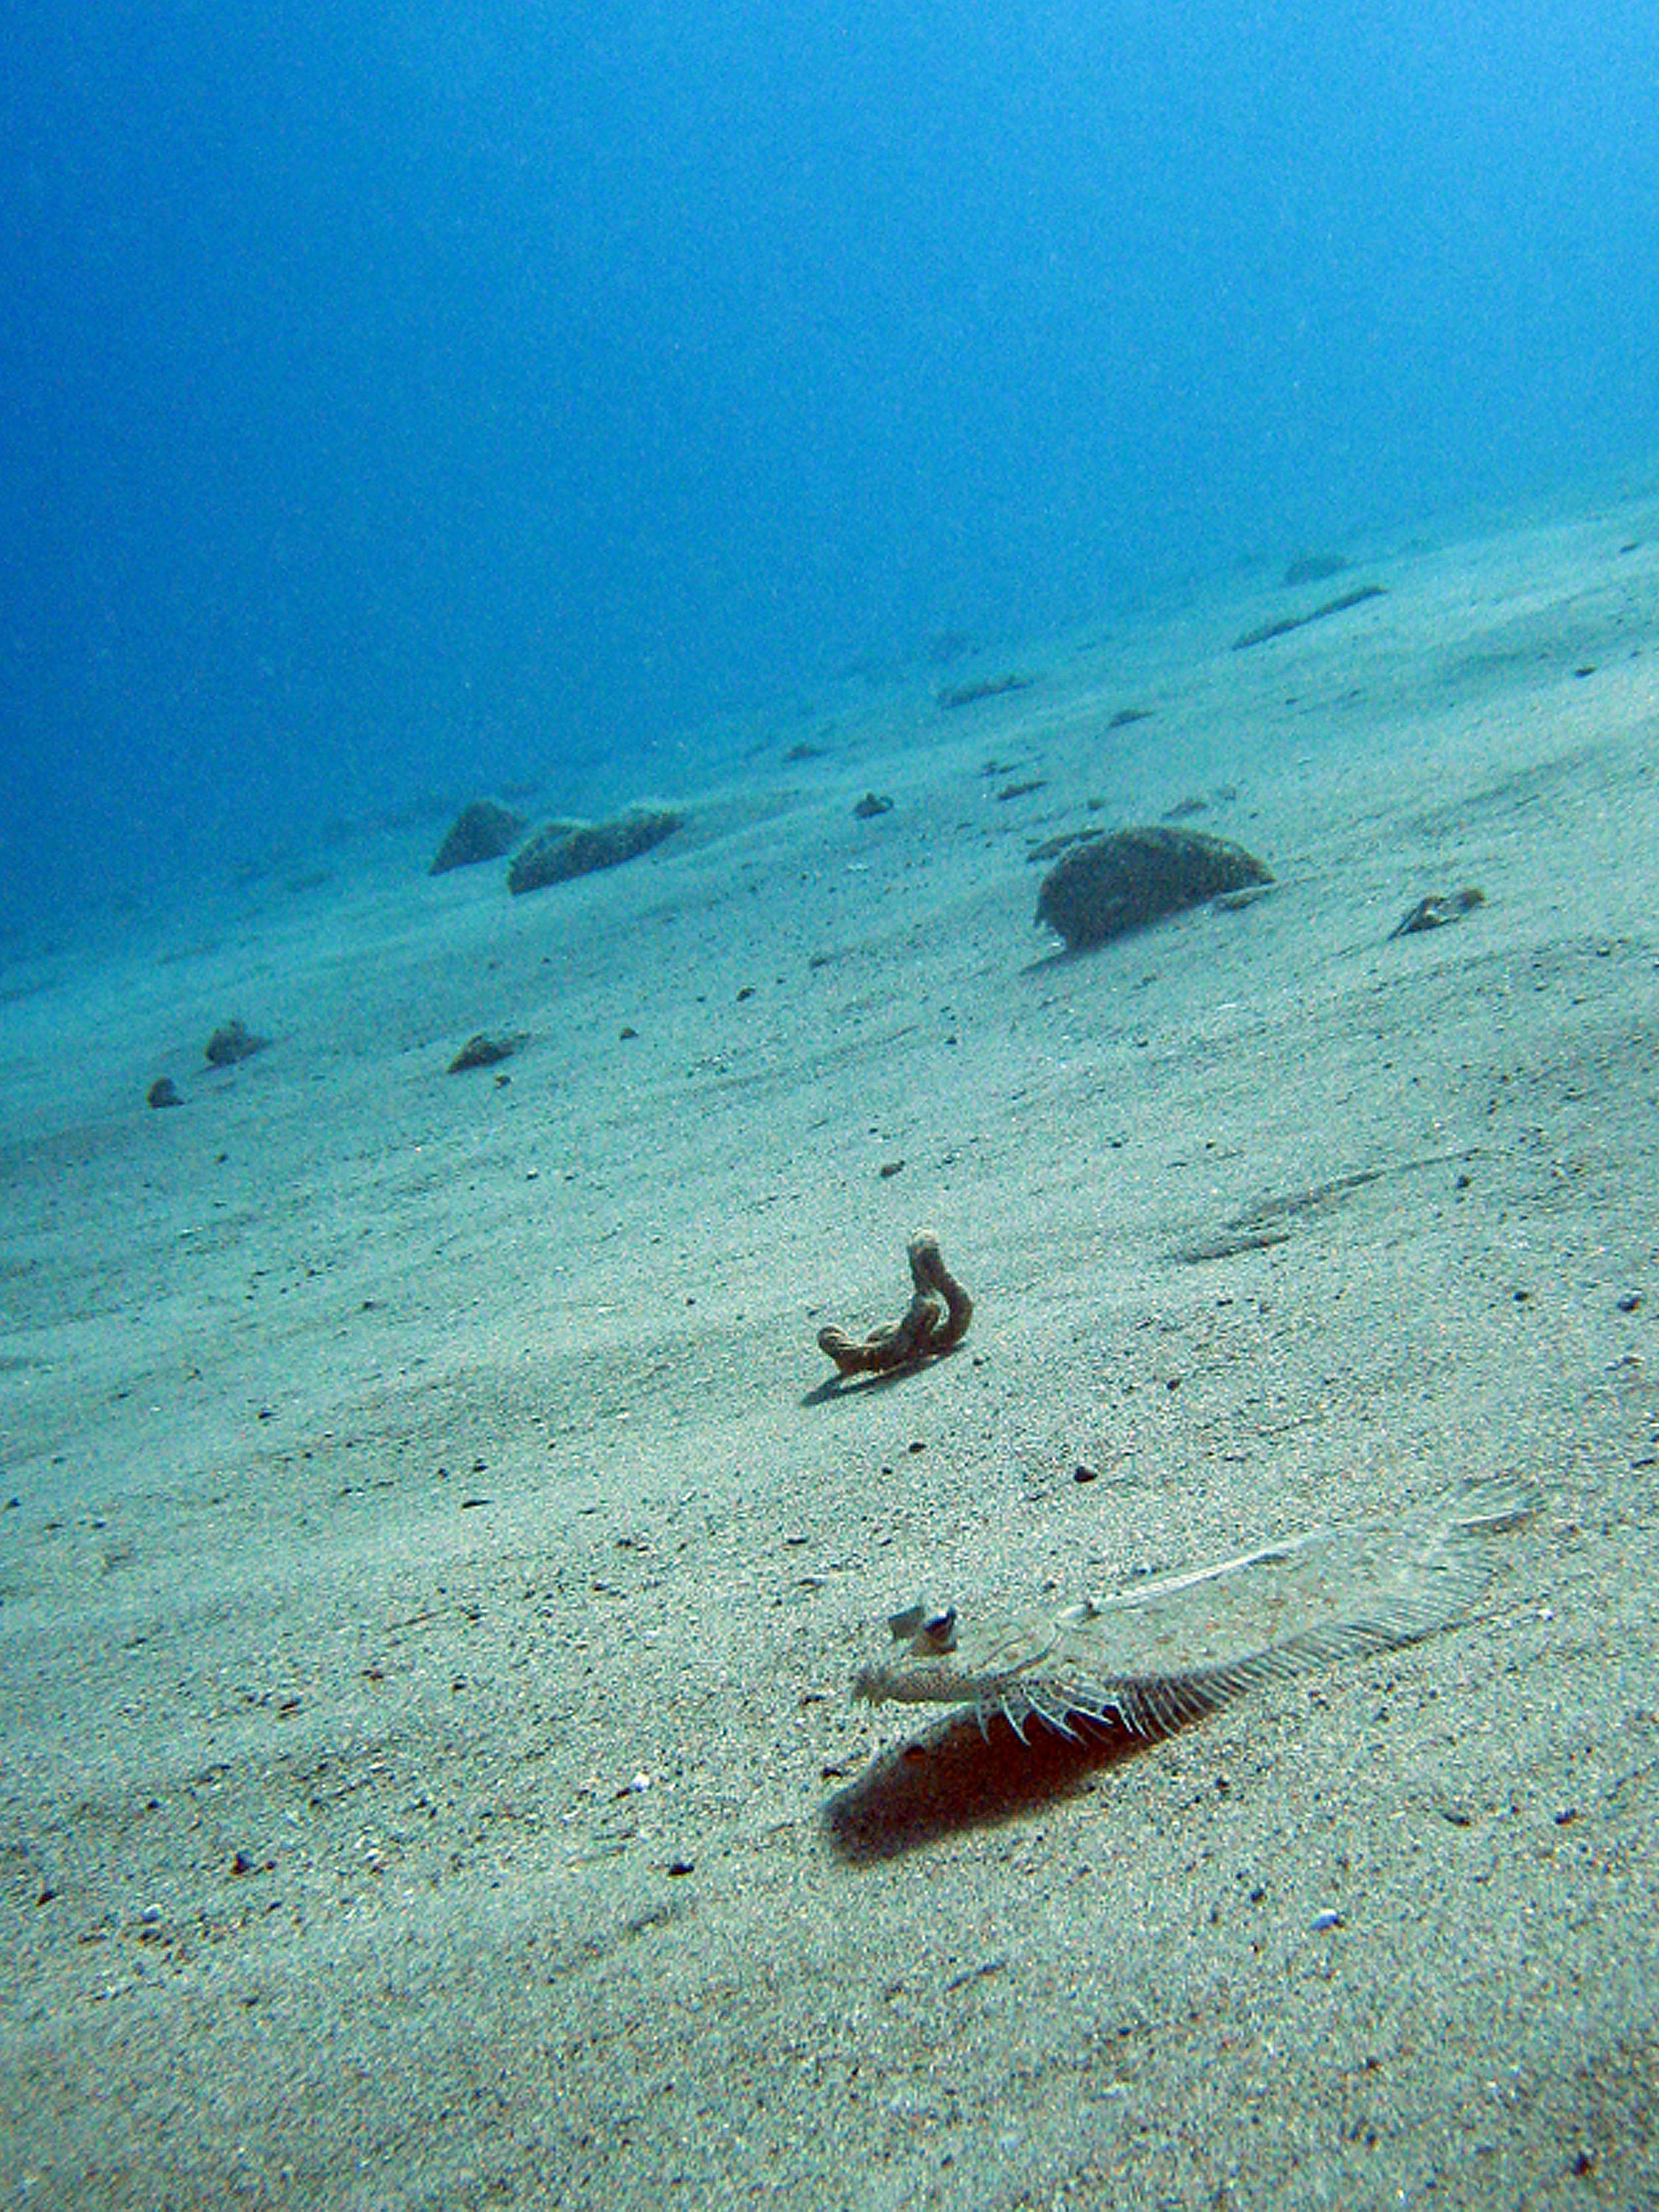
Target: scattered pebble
[484, 1050]
[231, 1042]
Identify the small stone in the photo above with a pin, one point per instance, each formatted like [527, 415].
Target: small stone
[164, 1091]
[232, 1042]
[871, 806]
[1315, 568]
[986, 687]
[486, 1051]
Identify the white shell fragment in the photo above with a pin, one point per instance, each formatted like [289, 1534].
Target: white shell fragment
[1163, 1652]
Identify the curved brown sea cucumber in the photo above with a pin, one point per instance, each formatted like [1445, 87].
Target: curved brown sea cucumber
[936, 1320]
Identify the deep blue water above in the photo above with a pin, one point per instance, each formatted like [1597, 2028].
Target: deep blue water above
[403, 399]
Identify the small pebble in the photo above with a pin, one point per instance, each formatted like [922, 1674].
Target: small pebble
[1328, 1918]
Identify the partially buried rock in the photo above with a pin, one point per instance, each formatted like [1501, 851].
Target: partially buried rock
[231, 1042]
[559, 852]
[1111, 886]
[486, 1051]
[1315, 568]
[164, 1091]
[483, 831]
[872, 806]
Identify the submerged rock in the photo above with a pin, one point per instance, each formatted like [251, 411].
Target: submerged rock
[562, 850]
[487, 1051]
[164, 1091]
[1286, 624]
[988, 687]
[483, 831]
[1315, 568]
[232, 1042]
[1111, 886]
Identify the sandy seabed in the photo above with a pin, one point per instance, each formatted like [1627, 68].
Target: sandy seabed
[433, 1563]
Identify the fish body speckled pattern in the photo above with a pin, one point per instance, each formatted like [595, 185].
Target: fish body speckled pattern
[1163, 1652]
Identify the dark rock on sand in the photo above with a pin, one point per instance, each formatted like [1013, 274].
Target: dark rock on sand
[1315, 568]
[164, 1091]
[486, 1051]
[988, 687]
[1111, 886]
[483, 831]
[232, 1042]
[562, 850]
[1286, 624]
[871, 804]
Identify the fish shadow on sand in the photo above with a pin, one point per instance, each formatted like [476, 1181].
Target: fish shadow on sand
[953, 1778]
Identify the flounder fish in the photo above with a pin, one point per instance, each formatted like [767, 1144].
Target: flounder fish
[1163, 1652]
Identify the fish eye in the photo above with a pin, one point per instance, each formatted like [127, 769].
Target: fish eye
[940, 1629]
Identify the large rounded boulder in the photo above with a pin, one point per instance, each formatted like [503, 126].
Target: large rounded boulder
[1108, 886]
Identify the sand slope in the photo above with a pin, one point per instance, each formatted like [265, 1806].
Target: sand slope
[432, 1568]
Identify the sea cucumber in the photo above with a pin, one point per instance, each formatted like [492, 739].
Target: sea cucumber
[935, 1321]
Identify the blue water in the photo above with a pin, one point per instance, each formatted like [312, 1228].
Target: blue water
[399, 400]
